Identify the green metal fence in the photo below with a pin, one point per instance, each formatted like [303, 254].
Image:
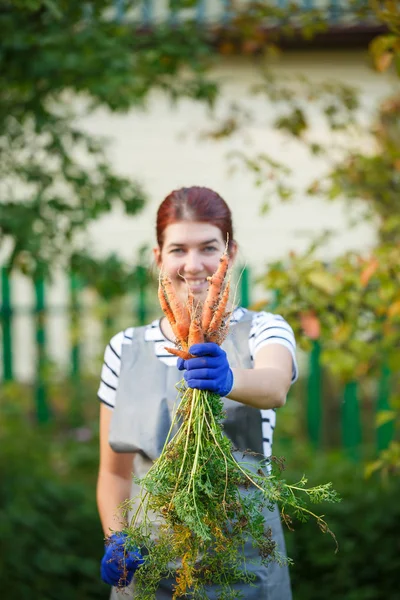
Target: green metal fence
[315, 396]
[40, 312]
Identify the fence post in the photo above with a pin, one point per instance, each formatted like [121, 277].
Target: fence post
[75, 348]
[314, 396]
[201, 11]
[141, 298]
[385, 432]
[42, 408]
[351, 423]
[227, 12]
[109, 328]
[119, 10]
[6, 317]
[147, 12]
[245, 287]
[76, 400]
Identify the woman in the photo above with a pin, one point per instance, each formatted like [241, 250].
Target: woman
[253, 375]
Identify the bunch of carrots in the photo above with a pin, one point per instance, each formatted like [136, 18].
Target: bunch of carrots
[196, 323]
[198, 504]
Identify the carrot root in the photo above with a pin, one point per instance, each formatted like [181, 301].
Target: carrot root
[214, 291]
[180, 312]
[181, 353]
[220, 312]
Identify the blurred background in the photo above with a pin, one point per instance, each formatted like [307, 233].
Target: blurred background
[289, 110]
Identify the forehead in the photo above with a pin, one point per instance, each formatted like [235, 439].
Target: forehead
[191, 233]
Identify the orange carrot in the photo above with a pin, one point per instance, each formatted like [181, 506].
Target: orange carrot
[220, 334]
[219, 313]
[177, 315]
[190, 303]
[180, 331]
[196, 335]
[181, 353]
[214, 290]
[181, 334]
[181, 314]
[220, 273]
[164, 304]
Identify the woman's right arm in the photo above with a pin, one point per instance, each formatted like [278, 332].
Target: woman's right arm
[114, 479]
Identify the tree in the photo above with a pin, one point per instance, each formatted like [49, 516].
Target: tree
[54, 177]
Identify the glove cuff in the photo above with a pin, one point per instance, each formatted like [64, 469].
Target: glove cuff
[228, 384]
[115, 539]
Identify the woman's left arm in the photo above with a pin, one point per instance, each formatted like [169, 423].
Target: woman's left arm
[264, 386]
[267, 384]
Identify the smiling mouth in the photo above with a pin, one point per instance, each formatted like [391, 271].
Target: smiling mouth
[197, 285]
[196, 281]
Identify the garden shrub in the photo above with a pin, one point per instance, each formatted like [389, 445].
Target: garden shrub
[51, 538]
[366, 524]
[52, 543]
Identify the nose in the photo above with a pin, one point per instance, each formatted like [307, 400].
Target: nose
[193, 262]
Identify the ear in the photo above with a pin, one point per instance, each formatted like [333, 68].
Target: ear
[157, 256]
[232, 252]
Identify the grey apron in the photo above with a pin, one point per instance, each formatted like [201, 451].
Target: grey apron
[146, 399]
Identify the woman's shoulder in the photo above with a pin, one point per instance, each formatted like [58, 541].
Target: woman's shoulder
[264, 316]
[259, 318]
[118, 339]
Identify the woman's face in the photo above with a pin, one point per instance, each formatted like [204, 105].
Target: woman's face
[191, 253]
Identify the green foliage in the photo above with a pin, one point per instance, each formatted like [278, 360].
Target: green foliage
[385, 49]
[249, 31]
[365, 523]
[351, 305]
[50, 531]
[111, 277]
[388, 463]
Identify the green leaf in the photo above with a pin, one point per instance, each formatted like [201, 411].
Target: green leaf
[323, 281]
[385, 416]
[372, 467]
[284, 193]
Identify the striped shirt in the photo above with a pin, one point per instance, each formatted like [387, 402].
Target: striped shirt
[266, 328]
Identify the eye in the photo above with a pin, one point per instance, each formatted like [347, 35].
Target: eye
[210, 249]
[176, 250]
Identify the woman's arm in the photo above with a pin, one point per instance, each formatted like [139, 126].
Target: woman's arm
[264, 386]
[114, 479]
[267, 385]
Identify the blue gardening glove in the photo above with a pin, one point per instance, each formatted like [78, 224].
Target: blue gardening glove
[117, 565]
[209, 370]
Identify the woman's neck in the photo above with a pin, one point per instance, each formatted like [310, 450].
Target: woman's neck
[166, 329]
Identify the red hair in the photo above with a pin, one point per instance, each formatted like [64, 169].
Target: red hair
[194, 204]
